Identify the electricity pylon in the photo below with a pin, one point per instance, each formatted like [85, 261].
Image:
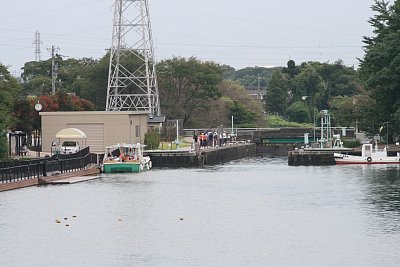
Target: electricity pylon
[37, 44]
[132, 81]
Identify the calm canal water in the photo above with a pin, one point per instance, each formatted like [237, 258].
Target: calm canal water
[252, 212]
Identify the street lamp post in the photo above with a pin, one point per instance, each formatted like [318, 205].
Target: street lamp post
[232, 128]
[387, 133]
[38, 108]
[304, 97]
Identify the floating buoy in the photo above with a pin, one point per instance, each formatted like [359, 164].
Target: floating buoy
[65, 218]
[67, 225]
[181, 219]
[120, 220]
[58, 221]
[73, 216]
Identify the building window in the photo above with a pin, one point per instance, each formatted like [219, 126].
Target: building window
[137, 130]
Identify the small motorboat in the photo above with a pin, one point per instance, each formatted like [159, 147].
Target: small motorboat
[125, 158]
[369, 155]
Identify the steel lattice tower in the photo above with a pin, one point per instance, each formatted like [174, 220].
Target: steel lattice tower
[37, 43]
[132, 88]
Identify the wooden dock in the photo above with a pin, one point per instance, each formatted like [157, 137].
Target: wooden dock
[74, 179]
[63, 178]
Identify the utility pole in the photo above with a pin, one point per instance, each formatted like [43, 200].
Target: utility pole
[54, 68]
[37, 44]
[132, 89]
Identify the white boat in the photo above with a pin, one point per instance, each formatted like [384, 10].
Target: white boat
[369, 155]
[125, 158]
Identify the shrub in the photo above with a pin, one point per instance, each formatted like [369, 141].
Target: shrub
[351, 143]
[3, 145]
[277, 122]
[299, 112]
[152, 140]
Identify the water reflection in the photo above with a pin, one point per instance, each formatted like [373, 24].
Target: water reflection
[382, 193]
[251, 212]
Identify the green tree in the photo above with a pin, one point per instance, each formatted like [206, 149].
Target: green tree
[308, 83]
[344, 110]
[228, 72]
[94, 86]
[186, 87]
[242, 117]
[64, 101]
[152, 140]
[380, 66]
[24, 114]
[235, 92]
[84, 77]
[299, 112]
[40, 85]
[340, 80]
[276, 97]
[9, 89]
[252, 76]
[367, 113]
[291, 70]
[35, 69]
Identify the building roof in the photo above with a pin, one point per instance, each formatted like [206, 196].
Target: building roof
[156, 119]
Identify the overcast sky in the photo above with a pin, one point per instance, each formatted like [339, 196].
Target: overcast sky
[240, 34]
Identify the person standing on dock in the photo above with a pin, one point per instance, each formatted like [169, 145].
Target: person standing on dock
[202, 136]
[224, 138]
[210, 138]
[196, 141]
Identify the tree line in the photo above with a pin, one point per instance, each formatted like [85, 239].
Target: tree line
[207, 94]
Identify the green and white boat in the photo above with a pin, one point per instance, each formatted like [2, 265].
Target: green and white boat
[125, 158]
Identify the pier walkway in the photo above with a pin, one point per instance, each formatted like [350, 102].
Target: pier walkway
[188, 157]
[91, 172]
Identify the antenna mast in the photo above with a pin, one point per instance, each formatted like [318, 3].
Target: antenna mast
[132, 81]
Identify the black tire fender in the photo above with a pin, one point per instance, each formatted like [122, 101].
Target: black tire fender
[369, 159]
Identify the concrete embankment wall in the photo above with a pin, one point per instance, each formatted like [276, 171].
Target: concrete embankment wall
[183, 159]
[307, 158]
[275, 149]
[226, 154]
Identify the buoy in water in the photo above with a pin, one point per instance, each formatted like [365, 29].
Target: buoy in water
[58, 221]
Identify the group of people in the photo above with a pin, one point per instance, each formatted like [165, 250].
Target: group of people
[209, 139]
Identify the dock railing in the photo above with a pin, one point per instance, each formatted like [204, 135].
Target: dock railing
[18, 170]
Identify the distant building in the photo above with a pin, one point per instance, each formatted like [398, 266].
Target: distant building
[102, 128]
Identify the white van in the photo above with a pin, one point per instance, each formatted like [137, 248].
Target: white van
[69, 147]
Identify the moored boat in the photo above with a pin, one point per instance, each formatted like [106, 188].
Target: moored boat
[125, 158]
[369, 155]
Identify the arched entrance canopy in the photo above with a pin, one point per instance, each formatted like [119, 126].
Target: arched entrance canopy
[71, 133]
